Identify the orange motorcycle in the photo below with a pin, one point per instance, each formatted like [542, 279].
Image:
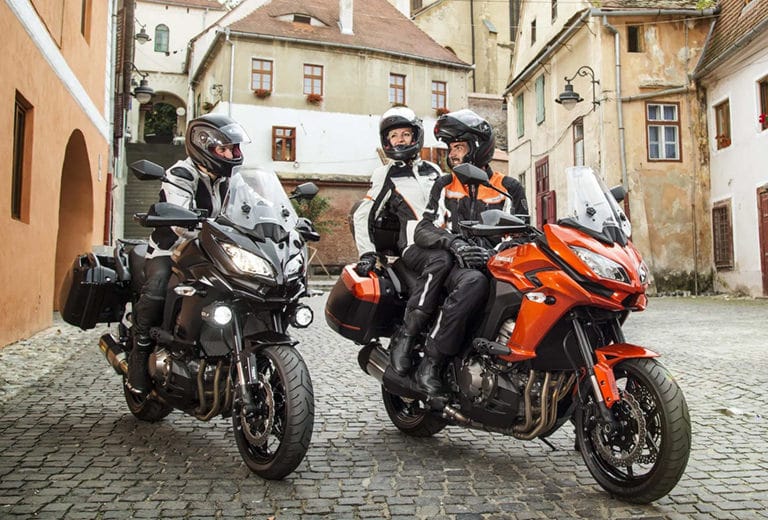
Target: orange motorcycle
[548, 348]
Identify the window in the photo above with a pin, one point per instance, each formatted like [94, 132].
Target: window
[302, 18]
[634, 38]
[85, 19]
[161, 38]
[520, 114]
[554, 10]
[578, 142]
[283, 143]
[663, 125]
[439, 93]
[540, 114]
[261, 74]
[416, 5]
[533, 32]
[22, 146]
[763, 116]
[722, 235]
[397, 89]
[723, 124]
[313, 79]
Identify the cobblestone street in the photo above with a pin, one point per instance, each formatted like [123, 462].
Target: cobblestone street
[69, 448]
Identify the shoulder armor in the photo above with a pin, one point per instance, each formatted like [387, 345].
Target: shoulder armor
[182, 173]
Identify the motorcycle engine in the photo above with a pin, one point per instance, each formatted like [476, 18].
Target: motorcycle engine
[483, 382]
[177, 376]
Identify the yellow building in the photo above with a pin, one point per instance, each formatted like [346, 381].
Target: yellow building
[55, 144]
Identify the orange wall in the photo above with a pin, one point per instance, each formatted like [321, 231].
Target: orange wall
[28, 249]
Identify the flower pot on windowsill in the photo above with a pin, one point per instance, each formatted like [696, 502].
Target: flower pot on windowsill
[441, 111]
[262, 93]
[723, 141]
[314, 99]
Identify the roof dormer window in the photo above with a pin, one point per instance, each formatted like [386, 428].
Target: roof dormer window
[302, 18]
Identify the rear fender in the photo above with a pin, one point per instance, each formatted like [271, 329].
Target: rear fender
[607, 357]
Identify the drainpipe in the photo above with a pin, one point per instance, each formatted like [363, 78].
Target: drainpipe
[231, 70]
[619, 103]
[472, 28]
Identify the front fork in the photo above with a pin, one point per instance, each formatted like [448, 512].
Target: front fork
[245, 365]
[600, 373]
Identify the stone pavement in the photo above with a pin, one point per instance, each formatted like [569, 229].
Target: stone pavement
[69, 448]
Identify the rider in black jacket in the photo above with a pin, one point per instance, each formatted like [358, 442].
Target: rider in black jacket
[199, 181]
[470, 140]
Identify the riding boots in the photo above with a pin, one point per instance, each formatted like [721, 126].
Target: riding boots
[428, 375]
[400, 348]
[138, 375]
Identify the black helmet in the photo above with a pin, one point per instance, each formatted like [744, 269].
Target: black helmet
[401, 117]
[465, 125]
[205, 133]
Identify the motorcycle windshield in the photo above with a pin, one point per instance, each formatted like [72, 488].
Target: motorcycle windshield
[592, 206]
[257, 202]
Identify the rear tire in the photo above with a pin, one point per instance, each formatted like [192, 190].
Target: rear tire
[411, 416]
[644, 459]
[274, 440]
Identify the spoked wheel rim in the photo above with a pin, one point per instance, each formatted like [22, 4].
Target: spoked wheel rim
[264, 431]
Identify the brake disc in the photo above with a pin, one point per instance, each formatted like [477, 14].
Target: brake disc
[256, 429]
[624, 456]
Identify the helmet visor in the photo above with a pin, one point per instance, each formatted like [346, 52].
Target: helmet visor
[207, 137]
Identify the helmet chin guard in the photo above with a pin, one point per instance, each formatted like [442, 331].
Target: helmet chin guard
[207, 132]
[401, 117]
[466, 126]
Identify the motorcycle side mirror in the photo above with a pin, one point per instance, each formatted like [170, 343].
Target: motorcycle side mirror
[145, 170]
[619, 193]
[471, 175]
[306, 191]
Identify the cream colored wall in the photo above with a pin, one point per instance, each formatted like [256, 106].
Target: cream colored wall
[27, 257]
[448, 23]
[353, 83]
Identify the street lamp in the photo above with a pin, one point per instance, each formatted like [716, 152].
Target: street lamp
[143, 92]
[568, 98]
[142, 37]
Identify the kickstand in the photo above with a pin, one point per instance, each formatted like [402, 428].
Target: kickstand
[545, 441]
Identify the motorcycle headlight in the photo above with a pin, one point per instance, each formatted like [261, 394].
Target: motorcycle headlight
[295, 265]
[248, 262]
[600, 265]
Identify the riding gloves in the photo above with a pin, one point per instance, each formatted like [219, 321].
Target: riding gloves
[366, 264]
[469, 256]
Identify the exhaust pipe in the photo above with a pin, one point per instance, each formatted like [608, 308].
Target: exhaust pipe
[375, 362]
[115, 354]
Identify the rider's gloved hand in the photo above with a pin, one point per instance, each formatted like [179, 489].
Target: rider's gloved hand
[469, 256]
[366, 264]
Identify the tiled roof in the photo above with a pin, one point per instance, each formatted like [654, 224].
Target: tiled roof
[202, 4]
[376, 25]
[648, 4]
[736, 23]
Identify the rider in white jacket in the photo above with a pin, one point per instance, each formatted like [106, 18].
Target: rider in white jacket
[386, 218]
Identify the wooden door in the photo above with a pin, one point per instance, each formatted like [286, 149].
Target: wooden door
[762, 217]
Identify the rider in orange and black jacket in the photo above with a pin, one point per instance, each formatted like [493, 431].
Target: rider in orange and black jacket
[470, 140]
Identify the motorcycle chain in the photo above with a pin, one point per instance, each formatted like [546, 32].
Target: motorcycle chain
[636, 453]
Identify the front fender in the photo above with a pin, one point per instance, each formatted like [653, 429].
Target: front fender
[607, 357]
[267, 338]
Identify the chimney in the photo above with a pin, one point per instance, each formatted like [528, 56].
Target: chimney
[345, 16]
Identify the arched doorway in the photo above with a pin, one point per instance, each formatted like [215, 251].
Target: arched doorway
[75, 209]
[160, 124]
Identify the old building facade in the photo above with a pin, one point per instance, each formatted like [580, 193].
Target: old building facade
[55, 146]
[638, 121]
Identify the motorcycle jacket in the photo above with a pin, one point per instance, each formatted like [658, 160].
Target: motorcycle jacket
[458, 206]
[189, 188]
[399, 191]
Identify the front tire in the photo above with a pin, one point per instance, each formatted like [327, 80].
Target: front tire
[273, 441]
[411, 416]
[644, 458]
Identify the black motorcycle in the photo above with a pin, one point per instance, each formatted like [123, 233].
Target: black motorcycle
[223, 348]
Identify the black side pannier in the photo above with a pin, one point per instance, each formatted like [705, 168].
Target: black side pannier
[91, 292]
